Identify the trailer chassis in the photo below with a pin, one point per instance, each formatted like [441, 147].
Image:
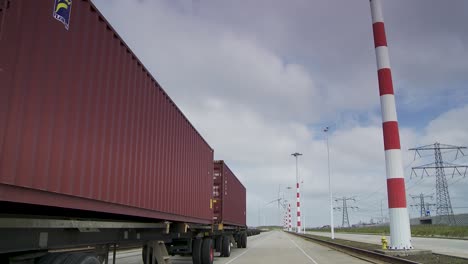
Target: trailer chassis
[81, 241]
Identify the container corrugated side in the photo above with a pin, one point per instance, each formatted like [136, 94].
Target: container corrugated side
[83, 125]
[230, 207]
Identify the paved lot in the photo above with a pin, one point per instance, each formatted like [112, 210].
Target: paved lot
[270, 248]
[452, 247]
[279, 247]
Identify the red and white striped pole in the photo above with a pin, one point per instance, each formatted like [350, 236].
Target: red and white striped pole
[290, 218]
[400, 233]
[298, 196]
[298, 209]
[286, 219]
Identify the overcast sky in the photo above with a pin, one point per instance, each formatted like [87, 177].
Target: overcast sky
[260, 79]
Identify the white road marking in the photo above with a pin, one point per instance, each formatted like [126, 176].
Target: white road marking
[254, 238]
[301, 250]
[238, 256]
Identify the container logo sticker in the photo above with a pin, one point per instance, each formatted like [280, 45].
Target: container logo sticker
[62, 11]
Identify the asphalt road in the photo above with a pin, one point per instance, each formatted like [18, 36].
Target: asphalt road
[277, 247]
[273, 247]
[453, 247]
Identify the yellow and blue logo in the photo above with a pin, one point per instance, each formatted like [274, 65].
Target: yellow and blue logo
[62, 11]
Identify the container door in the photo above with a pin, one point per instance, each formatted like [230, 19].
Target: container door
[217, 194]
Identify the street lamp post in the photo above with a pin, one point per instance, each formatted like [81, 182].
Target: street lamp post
[296, 155]
[381, 210]
[330, 187]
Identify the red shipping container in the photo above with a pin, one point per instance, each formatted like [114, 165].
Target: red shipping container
[229, 196]
[84, 125]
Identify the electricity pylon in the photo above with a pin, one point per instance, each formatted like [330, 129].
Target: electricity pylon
[443, 203]
[423, 205]
[344, 207]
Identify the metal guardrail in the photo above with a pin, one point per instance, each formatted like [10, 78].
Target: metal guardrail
[354, 251]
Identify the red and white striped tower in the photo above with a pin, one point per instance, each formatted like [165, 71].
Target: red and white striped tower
[289, 218]
[296, 155]
[400, 234]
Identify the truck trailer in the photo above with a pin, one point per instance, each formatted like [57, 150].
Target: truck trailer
[94, 155]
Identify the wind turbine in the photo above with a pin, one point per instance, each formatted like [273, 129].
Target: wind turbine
[279, 202]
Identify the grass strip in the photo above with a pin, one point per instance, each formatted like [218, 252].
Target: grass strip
[442, 231]
[426, 258]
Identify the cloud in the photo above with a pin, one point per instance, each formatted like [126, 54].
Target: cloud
[199, 60]
[427, 39]
[449, 128]
[260, 79]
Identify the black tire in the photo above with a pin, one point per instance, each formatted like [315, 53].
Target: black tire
[196, 251]
[244, 240]
[53, 258]
[89, 259]
[219, 244]
[226, 247]
[69, 258]
[207, 252]
[143, 254]
[81, 258]
[239, 241]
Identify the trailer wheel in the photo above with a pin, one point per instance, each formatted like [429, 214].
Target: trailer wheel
[218, 244]
[143, 254]
[226, 247]
[207, 252]
[239, 240]
[53, 258]
[69, 258]
[196, 251]
[244, 240]
[82, 258]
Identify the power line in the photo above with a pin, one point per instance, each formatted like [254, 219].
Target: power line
[424, 207]
[373, 205]
[369, 200]
[443, 203]
[414, 184]
[344, 207]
